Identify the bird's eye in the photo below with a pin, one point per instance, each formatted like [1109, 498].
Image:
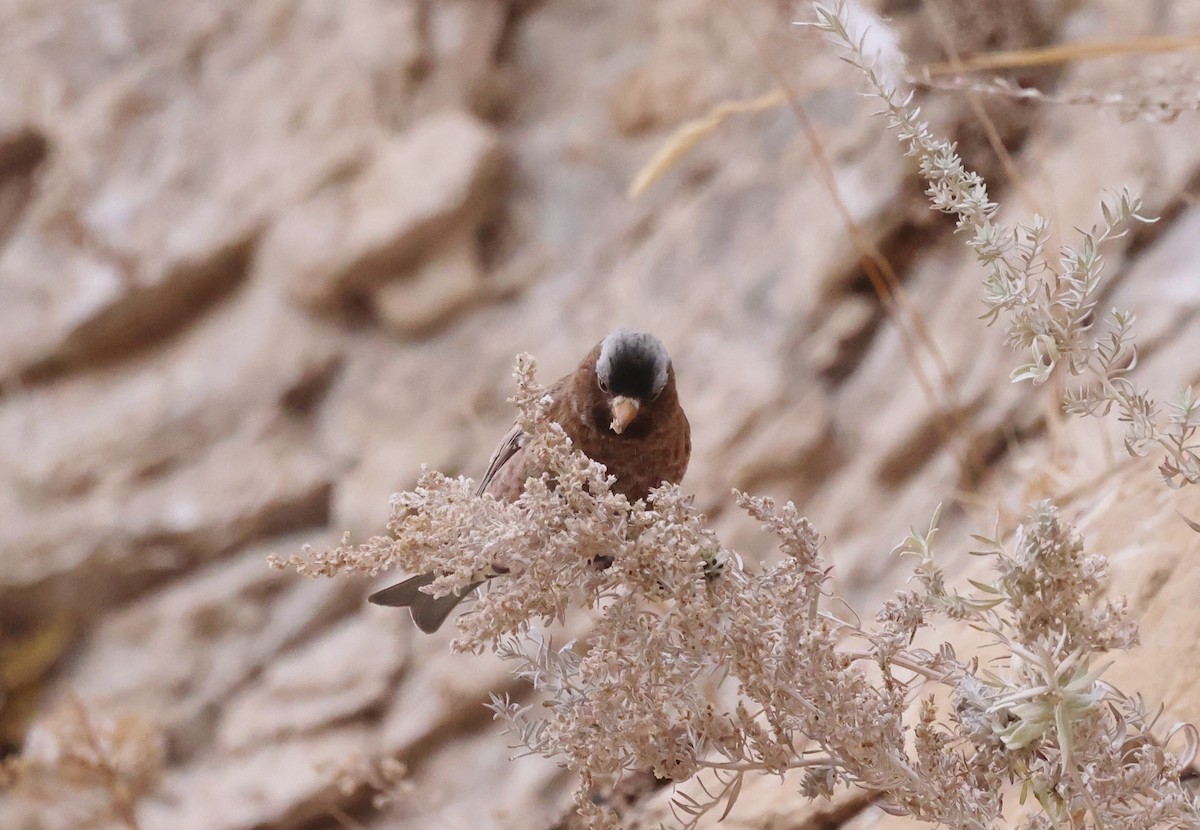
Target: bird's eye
[603, 384]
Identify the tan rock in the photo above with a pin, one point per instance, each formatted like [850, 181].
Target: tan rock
[170, 166]
[282, 784]
[361, 499]
[184, 650]
[677, 79]
[339, 675]
[462, 40]
[78, 557]
[445, 697]
[458, 787]
[434, 181]
[250, 357]
[431, 292]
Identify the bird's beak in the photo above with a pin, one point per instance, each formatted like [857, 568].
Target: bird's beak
[624, 410]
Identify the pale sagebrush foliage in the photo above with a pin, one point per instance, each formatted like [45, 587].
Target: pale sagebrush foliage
[697, 668]
[1050, 307]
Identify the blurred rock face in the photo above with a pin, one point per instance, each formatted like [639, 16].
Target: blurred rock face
[261, 260]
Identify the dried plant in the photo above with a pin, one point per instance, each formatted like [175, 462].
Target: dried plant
[685, 138]
[1157, 97]
[92, 770]
[1050, 308]
[701, 670]
[696, 666]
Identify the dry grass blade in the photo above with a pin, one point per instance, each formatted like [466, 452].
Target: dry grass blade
[1064, 53]
[686, 137]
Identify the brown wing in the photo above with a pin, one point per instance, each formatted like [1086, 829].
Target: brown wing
[512, 443]
[509, 446]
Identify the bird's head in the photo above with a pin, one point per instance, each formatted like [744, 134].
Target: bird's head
[631, 372]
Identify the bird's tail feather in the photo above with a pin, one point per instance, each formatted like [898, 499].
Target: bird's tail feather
[428, 612]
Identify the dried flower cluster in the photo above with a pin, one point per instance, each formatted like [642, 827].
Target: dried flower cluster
[94, 770]
[1051, 308]
[695, 666]
[698, 669]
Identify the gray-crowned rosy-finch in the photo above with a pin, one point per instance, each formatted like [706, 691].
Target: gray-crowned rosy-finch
[620, 407]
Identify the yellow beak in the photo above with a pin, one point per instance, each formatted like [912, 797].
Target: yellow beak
[624, 410]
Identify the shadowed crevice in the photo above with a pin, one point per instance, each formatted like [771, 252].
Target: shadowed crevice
[106, 580]
[836, 815]
[21, 156]
[147, 315]
[466, 721]
[305, 396]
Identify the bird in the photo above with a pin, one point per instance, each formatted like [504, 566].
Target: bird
[621, 408]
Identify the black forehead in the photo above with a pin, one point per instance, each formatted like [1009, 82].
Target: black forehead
[633, 372]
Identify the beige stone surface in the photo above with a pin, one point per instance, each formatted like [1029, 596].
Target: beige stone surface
[434, 181]
[259, 261]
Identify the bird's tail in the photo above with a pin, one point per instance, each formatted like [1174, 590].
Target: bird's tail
[428, 612]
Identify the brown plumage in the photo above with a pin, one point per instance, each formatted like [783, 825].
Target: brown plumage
[621, 408]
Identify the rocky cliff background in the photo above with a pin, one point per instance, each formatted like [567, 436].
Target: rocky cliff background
[259, 261]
